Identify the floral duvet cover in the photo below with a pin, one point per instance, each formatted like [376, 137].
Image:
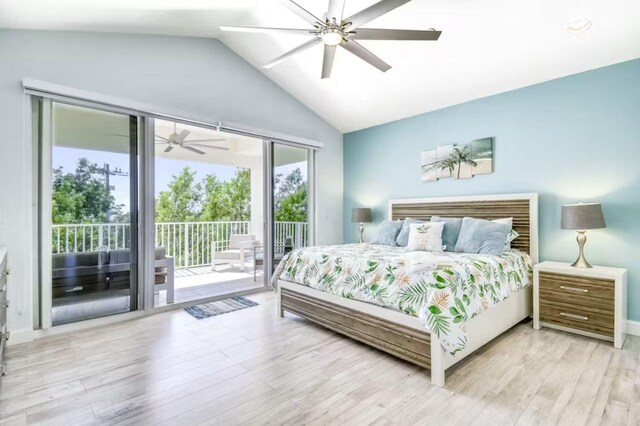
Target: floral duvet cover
[443, 294]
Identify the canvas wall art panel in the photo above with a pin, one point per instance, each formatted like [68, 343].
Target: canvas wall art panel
[458, 161]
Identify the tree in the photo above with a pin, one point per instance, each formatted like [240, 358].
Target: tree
[291, 197]
[293, 207]
[211, 199]
[462, 156]
[82, 196]
[181, 202]
[230, 200]
[213, 203]
[457, 158]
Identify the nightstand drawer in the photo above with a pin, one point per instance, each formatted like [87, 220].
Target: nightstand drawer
[590, 319]
[593, 288]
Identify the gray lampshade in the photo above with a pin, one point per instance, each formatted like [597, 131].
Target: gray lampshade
[581, 217]
[362, 214]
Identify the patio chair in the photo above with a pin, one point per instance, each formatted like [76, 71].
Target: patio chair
[239, 251]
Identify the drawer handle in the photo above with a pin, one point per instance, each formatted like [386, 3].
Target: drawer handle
[6, 303]
[573, 316]
[5, 272]
[574, 289]
[5, 335]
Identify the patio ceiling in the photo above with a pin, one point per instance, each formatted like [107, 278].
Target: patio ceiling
[84, 128]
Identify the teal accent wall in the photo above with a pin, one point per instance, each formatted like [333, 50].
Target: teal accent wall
[572, 139]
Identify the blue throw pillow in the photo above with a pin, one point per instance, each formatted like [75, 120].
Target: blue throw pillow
[387, 233]
[451, 231]
[482, 237]
[403, 236]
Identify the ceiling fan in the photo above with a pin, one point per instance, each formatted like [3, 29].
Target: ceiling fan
[180, 140]
[334, 30]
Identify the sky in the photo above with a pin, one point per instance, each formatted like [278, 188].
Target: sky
[165, 169]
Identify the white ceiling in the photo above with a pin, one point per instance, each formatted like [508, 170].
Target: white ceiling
[487, 46]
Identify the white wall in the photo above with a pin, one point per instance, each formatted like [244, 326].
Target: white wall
[197, 78]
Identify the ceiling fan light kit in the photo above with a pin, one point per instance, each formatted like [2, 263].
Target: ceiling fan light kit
[334, 31]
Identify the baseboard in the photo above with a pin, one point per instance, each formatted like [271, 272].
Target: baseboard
[633, 328]
[17, 337]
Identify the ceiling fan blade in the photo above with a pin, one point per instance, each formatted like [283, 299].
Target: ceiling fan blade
[203, 140]
[169, 148]
[182, 135]
[192, 149]
[303, 13]
[222, 148]
[327, 61]
[374, 11]
[293, 31]
[385, 34]
[293, 52]
[362, 53]
[336, 8]
[162, 138]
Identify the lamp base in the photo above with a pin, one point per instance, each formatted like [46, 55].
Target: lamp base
[361, 232]
[581, 262]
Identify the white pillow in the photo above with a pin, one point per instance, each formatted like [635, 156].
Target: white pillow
[511, 235]
[425, 236]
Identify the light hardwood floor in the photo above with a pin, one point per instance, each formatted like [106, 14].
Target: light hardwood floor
[252, 367]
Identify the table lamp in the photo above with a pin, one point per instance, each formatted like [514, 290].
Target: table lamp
[582, 217]
[362, 215]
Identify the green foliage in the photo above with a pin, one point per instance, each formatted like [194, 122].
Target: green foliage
[211, 199]
[83, 197]
[291, 197]
[415, 294]
[181, 202]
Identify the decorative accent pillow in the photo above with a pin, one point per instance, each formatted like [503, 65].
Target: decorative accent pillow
[403, 236]
[387, 233]
[451, 231]
[482, 237]
[425, 236]
[512, 234]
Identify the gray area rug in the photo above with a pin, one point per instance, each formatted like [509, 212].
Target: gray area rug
[219, 307]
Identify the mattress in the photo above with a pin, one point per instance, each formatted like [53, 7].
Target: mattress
[444, 290]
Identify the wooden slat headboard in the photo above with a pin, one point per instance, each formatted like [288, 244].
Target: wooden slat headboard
[522, 207]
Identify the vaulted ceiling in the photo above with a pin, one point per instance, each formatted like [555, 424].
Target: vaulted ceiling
[487, 46]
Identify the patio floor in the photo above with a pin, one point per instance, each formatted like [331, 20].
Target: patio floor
[201, 282]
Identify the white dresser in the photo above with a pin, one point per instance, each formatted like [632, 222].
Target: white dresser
[4, 304]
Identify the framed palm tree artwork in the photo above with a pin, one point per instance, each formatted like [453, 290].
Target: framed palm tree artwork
[458, 161]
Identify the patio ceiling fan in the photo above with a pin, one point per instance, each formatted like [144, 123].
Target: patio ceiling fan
[180, 140]
[334, 31]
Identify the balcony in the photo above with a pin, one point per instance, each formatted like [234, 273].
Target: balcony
[190, 244]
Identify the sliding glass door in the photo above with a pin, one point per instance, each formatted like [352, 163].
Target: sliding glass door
[136, 212]
[89, 212]
[291, 168]
[208, 213]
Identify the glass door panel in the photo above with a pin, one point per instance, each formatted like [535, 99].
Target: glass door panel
[93, 200]
[209, 213]
[290, 200]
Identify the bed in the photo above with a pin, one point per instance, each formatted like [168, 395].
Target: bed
[471, 299]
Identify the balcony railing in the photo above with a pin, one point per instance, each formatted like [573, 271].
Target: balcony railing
[190, 243]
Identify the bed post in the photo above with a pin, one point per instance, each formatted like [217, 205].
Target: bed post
[437, 362]
[279, 299]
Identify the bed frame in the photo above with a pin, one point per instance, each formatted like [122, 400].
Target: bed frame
[404, 335]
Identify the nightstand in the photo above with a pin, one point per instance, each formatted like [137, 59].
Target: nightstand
[587, 301]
